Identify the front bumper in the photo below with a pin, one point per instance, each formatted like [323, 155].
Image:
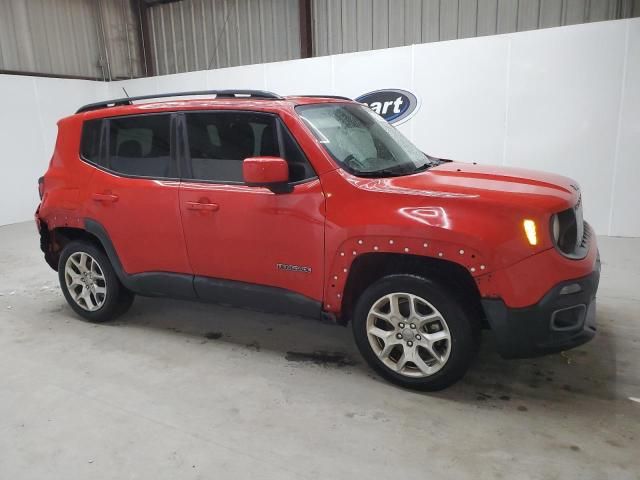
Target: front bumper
[564, 318]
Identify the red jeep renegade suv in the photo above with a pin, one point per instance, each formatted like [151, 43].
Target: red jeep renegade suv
[316, 206]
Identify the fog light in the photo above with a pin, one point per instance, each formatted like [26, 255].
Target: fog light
[530, 231]
[569, 289]
[570, 318]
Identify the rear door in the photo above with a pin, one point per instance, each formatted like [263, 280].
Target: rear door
[135, 190]
[250, 234]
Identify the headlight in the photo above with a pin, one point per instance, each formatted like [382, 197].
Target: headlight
[555, 228]
[531, 231]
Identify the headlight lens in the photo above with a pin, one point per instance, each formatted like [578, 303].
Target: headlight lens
[555, 228]
[531, 231]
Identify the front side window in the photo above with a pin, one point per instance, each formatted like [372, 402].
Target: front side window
[362, 142]
[141, 146]
[218, 143]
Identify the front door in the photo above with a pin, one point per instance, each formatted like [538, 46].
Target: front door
[250, 234]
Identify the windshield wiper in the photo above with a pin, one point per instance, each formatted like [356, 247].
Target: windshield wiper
[394, 172]
[424, 166]
[385, 172]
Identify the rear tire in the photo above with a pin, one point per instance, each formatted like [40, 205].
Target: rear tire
[414, 333]
[89, 283]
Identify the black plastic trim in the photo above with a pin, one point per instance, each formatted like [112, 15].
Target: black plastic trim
[529, 331]
[255, 94]
[149, 283]
[335, 97]
[257, 297]
[221, 291]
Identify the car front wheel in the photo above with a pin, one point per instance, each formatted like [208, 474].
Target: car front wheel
[414, 333]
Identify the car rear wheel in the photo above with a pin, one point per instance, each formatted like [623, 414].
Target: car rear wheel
[90, 284]
[414, 333]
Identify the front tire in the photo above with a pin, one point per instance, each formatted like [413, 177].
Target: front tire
[414, 333]
[89, 283]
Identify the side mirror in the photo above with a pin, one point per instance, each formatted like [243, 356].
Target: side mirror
[265, 171]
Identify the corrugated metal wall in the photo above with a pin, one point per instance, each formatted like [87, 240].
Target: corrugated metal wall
[84, 38]
[102, 39]
[203, 34]
[121, 38]
[49, 37]
[341, 26]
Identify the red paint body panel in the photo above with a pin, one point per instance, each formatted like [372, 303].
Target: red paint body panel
[526, 282]
[253, 230]
[265, 170]
[150, 237]
[63, 200]
[464, 213]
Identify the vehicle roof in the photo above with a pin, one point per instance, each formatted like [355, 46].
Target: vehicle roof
[182, 104]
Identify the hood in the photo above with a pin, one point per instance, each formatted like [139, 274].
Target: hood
[491, 184]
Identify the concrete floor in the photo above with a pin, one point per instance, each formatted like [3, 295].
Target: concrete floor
[187, 390]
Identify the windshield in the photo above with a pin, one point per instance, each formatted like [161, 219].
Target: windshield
[362, 142]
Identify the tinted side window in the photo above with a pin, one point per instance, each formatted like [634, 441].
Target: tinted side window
[299, 166]
[220, 141]
[141, 146]
[90, 142]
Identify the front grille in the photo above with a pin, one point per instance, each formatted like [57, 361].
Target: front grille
[586, 238]
[575, 234]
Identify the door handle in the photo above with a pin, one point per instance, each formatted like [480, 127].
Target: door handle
[210, 207]
[105, 197]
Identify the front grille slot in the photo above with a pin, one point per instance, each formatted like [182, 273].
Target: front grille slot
[567, 240]
[575, 234]
[586, 238]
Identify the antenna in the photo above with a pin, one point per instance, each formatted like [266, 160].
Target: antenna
[125, 92]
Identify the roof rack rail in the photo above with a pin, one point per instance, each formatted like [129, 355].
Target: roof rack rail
[337, 97]
[258, 94]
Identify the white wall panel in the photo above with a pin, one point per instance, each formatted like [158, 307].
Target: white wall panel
[182, 82]
[563, 106]
[141, 86]
[625, 218]
[31, 107]
[358, 73]
[247, 77]
[58, 98]
[309, 76]
[22, 143]
[462, 85]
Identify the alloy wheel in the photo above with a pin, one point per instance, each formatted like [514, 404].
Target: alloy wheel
[408, 334]
[85, 281]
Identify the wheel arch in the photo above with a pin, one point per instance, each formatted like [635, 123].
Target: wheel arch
[368, 268]
[53, 241]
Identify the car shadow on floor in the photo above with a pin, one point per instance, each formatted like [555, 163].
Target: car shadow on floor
[587, 371]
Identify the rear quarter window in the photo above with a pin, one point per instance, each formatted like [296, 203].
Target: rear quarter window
[90, 141]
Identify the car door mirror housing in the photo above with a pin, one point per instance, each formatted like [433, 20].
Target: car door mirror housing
[265, 171]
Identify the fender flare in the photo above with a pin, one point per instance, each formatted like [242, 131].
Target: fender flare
[337, 275]
[150, 284]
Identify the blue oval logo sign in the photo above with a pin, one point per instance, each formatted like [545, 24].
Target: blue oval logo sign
[394, 105]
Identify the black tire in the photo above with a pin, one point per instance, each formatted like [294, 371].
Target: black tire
[463, 330]
[117, 298]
